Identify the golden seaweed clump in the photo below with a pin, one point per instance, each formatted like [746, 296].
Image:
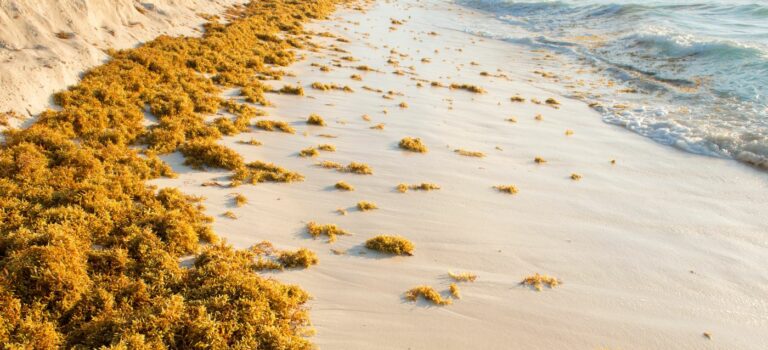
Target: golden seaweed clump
[454, 289]
[229, 215]
[252, 142]
[356, 77]
[512, 120]
[327, 147]
[88, 246]
[427, 293]
[390, 244]
[258, 171]
[466, 153]
[358, 168]
[552, 102]
[413, 145]
[341, 185]
[575, 177]
[424, 186]
[292, 90]
[537, 281]
[330, 165]
[378, 127]
[331, 230]
[568, 132]
[240, 199]
[511, 189]
[366, 206]
[517, 99]
[539, 160]
[315, 119]
[309, 152]
[538, 117]
[462, 276]
[271, 125]
[468, 87]
[403, 105]
[300, 258]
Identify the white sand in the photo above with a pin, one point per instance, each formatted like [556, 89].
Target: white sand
[652, 251]
[34, 62]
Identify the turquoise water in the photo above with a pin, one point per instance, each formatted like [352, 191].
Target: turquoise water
[701, 66]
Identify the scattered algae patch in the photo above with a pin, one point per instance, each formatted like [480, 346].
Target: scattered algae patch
[466, 153]
[315, 119]
[413, 145]
[341, 185]
[300, 258]
[427, 293]
[366, 206]
[272, 125]
[358, 168]
[239, 199]
[538, 281]
[462, 276]
[258, 171]
[424, 186]
[309, 152]
[390, 244]
[454, 289]
[90, 253]
[331, 230]
[511, 189]
[468, 87]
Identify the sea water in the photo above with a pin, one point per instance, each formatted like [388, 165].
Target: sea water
[698, 69]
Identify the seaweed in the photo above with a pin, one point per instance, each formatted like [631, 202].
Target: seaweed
[424, 186]
[358, 168]
[575, 177]
[413, 145]
[366, 206]
[454, 289]
[315, 119]
[299, 258]
[327, 147]
[309, 152]
[396, 245]
[538, 281]
[466, 153]
[462, 277]
[427, 293]
[539, 160]
[511, 189]
[468, 87]
[271, 125]
[341, 185]
[258, 171]
[316, 230]
[240, 200]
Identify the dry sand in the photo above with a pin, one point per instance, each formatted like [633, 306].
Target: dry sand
[652, 251]
[46, 44]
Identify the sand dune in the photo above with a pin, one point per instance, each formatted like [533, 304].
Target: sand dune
[46, 44]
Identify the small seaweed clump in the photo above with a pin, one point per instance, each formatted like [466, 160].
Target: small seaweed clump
[240, 199]
[269, 258]
[292, 90]
[424, 186]
[327, 147]
[330, 165]
[271, 125]
[463, 276]
[413, 145]
[466, 153]
[341, 185]
[258, 171]
[511, 189]
[575, 177]
[454, 289]
[331, 230]
[539, 160]
[300, 258]
[315, 119]
[358, 168]
[468, 87]
[427, 293]
[390, 244]
[537, 281]
[309, 152]
[366, 206]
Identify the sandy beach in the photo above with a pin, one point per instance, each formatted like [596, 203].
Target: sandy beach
[654, 248]
[652, 251]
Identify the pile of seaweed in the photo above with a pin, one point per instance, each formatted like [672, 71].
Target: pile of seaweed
[89, 253]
